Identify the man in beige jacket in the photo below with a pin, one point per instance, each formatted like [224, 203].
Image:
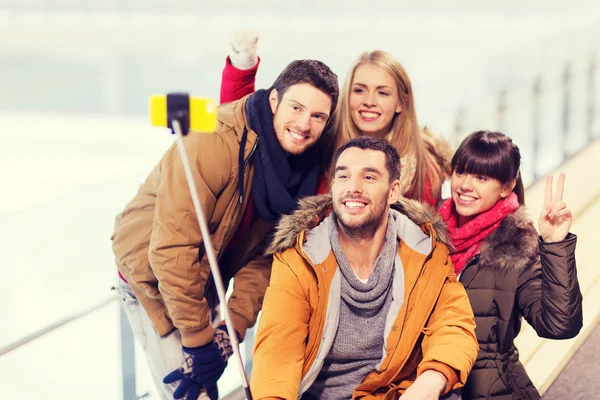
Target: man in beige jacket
[259, 161]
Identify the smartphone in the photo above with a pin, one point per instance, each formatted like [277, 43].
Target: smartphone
[202, 113]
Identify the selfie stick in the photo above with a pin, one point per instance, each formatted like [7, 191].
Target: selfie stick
[180, 112]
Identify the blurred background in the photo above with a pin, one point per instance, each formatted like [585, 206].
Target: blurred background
[75, 76]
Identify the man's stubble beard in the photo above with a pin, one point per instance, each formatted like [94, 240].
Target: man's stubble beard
[367, 229]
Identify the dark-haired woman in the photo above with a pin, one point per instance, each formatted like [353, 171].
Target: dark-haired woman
[509, 271]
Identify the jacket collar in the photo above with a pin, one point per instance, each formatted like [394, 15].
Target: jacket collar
[413, 219]
[233, 116]
[513, 245]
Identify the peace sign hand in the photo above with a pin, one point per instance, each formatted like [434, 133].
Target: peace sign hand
[555, 218]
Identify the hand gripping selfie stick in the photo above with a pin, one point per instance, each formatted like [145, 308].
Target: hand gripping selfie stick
[181, 113]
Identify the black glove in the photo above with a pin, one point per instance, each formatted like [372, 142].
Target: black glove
[202, 366]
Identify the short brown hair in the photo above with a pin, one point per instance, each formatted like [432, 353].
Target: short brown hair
[314, 73]
[392, 159]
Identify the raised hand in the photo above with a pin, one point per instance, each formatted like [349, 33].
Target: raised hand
[555, 219]
[242, 49]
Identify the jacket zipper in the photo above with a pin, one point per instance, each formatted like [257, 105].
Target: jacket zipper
[471, 262]
[209, 281]
[309, 262]
[238, 203]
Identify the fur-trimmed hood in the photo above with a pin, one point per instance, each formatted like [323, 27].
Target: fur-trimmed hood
[514, 244]
[314, 209]
[440, 149]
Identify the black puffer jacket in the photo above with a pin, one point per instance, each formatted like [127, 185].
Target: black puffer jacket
[515, 274]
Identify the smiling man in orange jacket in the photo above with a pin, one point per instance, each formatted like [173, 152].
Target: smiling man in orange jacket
[363, 303]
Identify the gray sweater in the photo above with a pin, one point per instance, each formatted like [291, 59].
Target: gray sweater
[358, 344]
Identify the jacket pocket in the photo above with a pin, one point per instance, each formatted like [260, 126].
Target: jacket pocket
[518, 381]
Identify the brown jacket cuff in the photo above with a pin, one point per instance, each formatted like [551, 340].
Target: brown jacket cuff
[240, 324]
[196, 338]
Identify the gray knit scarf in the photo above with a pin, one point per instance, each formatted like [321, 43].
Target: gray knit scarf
[358, 343]
[369, 296]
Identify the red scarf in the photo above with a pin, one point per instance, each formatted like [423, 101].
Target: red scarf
[468, 238]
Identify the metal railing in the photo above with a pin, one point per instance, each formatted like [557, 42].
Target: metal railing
[52, 327]
[550, 115]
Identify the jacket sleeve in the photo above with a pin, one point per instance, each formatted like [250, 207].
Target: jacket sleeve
[282, 334]
[428, 196]
[249, 286]
[237, 83]
[449, 344]
[548, 293]
[176, 239]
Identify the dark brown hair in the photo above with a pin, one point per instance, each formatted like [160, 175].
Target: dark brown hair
[312, 72]
[392, 159]
[492, 154]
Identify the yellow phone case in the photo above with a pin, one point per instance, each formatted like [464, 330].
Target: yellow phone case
[203, 113]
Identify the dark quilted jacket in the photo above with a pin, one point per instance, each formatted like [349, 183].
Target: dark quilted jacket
[517, 275]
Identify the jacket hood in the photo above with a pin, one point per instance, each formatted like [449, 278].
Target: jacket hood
[514, 244]
[314, 209]
[440, 149]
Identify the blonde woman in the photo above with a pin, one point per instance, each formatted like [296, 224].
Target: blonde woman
[376, 100]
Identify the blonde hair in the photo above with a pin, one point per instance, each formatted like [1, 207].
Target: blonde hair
[405, 132]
